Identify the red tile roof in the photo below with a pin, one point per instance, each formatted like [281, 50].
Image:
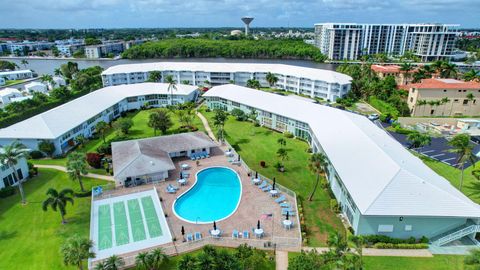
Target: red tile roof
[386, 69]
[443, 84]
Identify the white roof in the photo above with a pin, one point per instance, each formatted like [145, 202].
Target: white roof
[18, 99]
[4, 73]
[303, 72]
[32, 84]
[382, 177]
[8, 91]
[55, 122]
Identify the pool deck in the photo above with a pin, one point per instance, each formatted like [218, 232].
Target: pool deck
[254, 205]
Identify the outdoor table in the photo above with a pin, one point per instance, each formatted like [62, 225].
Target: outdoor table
[287, 224]
[185, 166]
[215, 233]
[258, 232]
[257, 181]
[182, 181]
[229, 153]
[274, 192]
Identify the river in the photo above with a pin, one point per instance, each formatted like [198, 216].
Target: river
[47, 66]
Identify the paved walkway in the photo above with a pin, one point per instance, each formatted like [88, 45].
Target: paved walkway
[386, 252]
[281, 260]
[207, 126]
[63, 169]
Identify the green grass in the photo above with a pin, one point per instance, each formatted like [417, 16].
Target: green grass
[139, 130]
[256, 144]
[383, 107]
[31, 238]
[12, 82]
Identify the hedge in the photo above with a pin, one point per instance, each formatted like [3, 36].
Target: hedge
[400, 246]
[374, 239]
[7, 191]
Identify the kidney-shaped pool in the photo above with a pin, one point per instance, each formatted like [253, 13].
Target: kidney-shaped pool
[214, 197]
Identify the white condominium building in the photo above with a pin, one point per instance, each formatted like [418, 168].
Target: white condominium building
[312, 82]
[339, 41]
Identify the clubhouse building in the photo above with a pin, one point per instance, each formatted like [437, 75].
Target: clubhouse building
[62, 124]
[313, 82]
[381, 187]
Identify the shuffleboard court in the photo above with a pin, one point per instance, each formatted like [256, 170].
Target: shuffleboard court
[128, 223]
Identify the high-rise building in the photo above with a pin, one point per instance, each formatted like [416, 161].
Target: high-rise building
[340, 41]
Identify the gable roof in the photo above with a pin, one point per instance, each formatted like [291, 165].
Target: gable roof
[444, 84]
[381, 176]
[59, 120]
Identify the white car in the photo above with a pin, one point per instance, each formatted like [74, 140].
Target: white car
[373, 116]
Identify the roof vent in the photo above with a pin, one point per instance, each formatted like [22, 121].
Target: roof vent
[151, 162]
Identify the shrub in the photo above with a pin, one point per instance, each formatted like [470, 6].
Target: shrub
[94, 160]
[288, 134]
[256, 124]
[324, 183]
[374, 239]
[400, 246]
[35, 154]
[105, 148]
[7, 191]
[208, 110]
[423, 240]
[239, 114]
[262, 164]
[47, 147]
[334, 206]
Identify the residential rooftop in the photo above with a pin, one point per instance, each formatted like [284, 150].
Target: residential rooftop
[444, 84]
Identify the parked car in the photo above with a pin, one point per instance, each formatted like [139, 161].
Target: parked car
[475, 139]
[373, 116]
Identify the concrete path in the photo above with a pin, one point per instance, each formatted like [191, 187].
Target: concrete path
[281, 260]
[207, 126]
[63, 169]
[386, 252]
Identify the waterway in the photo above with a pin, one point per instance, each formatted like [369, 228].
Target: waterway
[47, 66]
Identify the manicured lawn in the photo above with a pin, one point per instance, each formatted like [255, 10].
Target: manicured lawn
[140, 129]
[471, 185]
[438, 262]
[31, 238]
[256, 144]
[10, 82]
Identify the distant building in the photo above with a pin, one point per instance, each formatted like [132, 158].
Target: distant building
[68, 49]
[236, 33]
[22, 48]
[17, 74]
[102, 50]
[36, 87]
[434, 90]
[349, 41]
[7, 94]
[393, 70]
[131, 43]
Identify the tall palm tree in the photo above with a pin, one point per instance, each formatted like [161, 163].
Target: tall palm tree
[271, 79]
[418, 139]
[24, 62]
[471, 75]
[316, 164]
[406, 68]
[219, 120]
[150, 260]
[10, 155]
[58, 200]
[101, 127]
[464, 150]
[76, 250]
[57, 72]
[448, 70]
[172, 85]
[282, 153]
[76, 167]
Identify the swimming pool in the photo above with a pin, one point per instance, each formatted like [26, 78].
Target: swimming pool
[214, 197]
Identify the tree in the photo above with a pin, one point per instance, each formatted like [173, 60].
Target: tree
[418, 139]
[45, 78]
[187, 262]
[101, 127]
[114, 262]
[58, 200]
[472, 260]
[46, 147]
[219, 120]
[76, 250]
[316, 164]
[123, 125]
[172, 85]
[160, 119]
[61, 93]
[271, 79]
[69, 70]
[185, 117]
[92, 41]
[80, 140]
[471, 75]
[406, 68]
[282, 142]
[252, 83]
[24, 62]
[311, 260]
[154, 76]
[282, 153]
[461, 146]
[77, 167]
[423, 103]
[152, 260]
[10, 155]
[253, 116]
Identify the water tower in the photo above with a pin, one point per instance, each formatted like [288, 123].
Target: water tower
[247, 20]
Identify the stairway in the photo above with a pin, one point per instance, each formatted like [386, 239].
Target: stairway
[455, 234]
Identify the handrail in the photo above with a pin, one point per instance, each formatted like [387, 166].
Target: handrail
[457, 235]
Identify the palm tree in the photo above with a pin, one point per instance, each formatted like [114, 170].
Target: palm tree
[448, 70]
[24, 62]
[80, 140]
[101, 127]
[57, 72]
[45, 78]
[423, 103]
[101, 266]
[219, 122]
[172, 85]
[76, 167]
[114, 262]
[282, 153]
[470, 98]
[76, 250]
[160, 119]
[252, 83]
[282, 142]
[316, 163]
[406, 68]
[464, 150]
[150, 260]
[154, 76]
[10, 155]
[418, 139]
[58, 200]
[187, 262]
[471, 75]
[271, 79]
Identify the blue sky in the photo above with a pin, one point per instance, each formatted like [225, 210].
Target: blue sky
[219, 13]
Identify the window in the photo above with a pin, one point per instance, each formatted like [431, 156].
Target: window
[459, 91]
[464, 91]
[385, 228]
[408, 228]
[432, 111]
[455, 100]
[465, 102]
[411, 99]
[20, 174]
[444, 90]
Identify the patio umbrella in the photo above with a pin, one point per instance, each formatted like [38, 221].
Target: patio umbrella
[181, 175]
[256, 174]
[214, 226]
[258, 224]
[183, 231]
[274, 182]
[238, 158]
[287, 215]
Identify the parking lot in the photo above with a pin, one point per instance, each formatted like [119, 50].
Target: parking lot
[438, 149]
